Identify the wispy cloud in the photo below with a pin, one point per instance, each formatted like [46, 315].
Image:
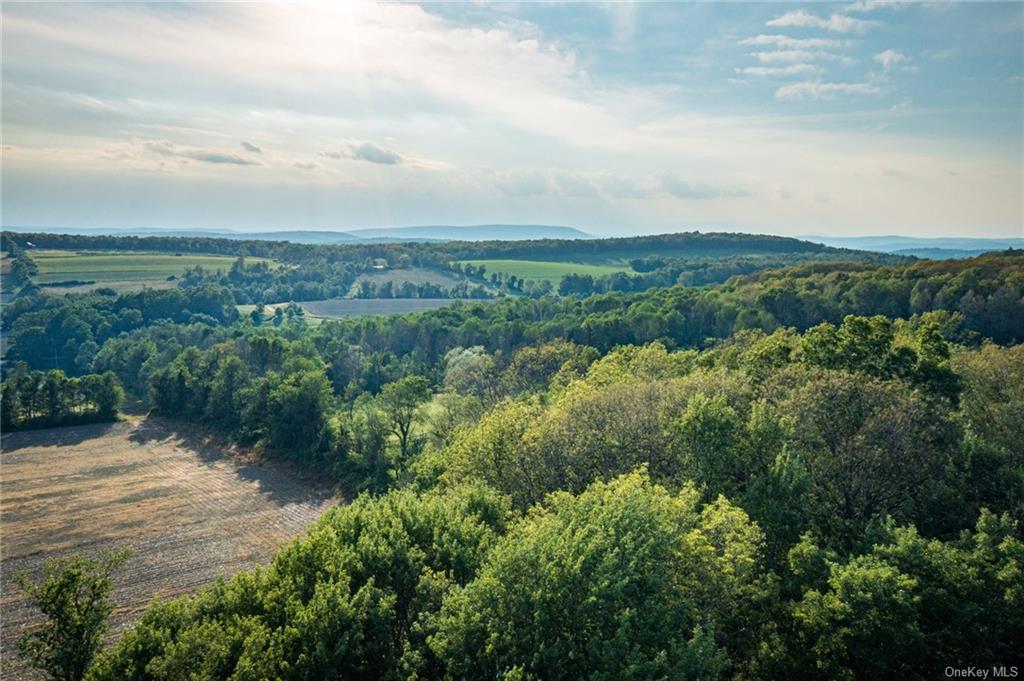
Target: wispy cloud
[889, 58]
[549, 105]
[165, 148]
[836, 23]
[795, 56]
[942, 55]
[872, 5]
[248, 146]
[523, 184]
[787, 42]
[773, 71]
[366, 151]
[817, 90]
[683, 189]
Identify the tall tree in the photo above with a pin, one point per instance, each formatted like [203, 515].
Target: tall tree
[74, 596]
[399, 401]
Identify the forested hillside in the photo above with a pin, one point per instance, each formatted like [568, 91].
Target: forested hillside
[777, 506]
[807, 472]
[326, 271]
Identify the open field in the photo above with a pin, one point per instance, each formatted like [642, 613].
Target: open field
[190, 512]
[415, 275]
[318, 311]
[120, 270]
[539, 270]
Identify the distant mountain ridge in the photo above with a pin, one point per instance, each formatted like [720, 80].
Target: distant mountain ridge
[475, 232]
[355, 236]
[937, 248]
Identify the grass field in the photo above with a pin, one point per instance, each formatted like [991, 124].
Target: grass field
[540, 270]
[318, 311]
[120, 269]
[190, 512]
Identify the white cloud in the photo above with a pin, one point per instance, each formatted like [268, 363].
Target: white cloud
[675, 186]
[816, 90]
[836, 23]
[334, 57]
[621, 187]
[576, 185]
[785, 41]
[302, 78]
[902, 106]
[794, 56]
[872, 5]
[523, 184]
[165, 148]
[366, 152]
[889, 58]
[772, 71]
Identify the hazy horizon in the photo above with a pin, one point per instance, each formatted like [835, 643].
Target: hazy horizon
[608, 233]
[867, 118]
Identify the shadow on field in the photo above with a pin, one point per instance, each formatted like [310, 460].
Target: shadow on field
[280, 483]
[66, 436]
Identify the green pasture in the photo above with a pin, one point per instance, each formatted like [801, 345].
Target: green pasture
[120, 266]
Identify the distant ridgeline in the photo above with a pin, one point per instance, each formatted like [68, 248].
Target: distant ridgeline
[683, 243]
[316, 272]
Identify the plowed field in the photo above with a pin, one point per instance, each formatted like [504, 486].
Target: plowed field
[189, 510]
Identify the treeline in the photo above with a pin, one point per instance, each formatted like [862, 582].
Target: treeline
[407, 289]
[660, 272]
[842, 503]
[36, 399]
[680, 244]
[986, 291]
[48, 332]
[260, 282]
[21, 270]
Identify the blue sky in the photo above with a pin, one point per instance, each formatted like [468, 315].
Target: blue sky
[817, 118]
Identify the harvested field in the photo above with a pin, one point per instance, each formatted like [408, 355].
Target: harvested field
[318, 311]
[190, 512]
[119, 270]
[354, 307]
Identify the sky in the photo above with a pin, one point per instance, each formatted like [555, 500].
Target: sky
[837, 119]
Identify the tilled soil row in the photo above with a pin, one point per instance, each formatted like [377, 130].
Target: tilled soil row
[190, 513]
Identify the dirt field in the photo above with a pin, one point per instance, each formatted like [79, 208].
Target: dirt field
[190, 512]
[318, 311]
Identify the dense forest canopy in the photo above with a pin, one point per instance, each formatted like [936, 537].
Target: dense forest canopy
[811, 469]
[776, 506]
